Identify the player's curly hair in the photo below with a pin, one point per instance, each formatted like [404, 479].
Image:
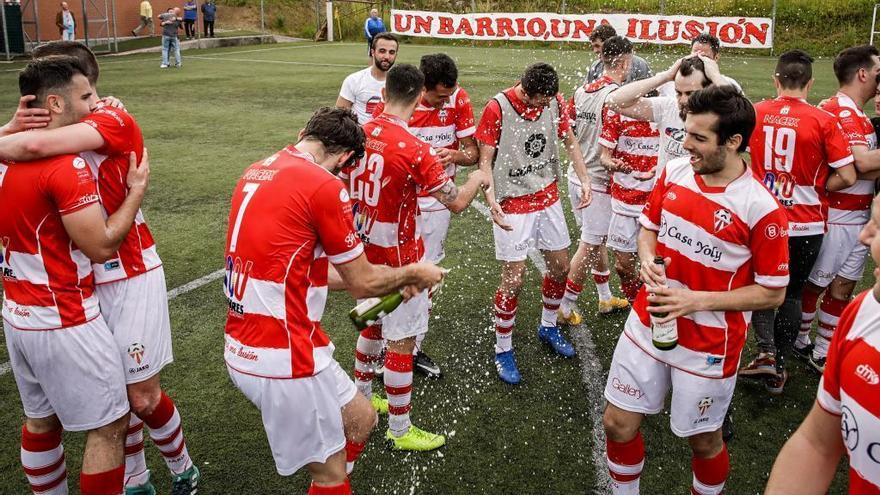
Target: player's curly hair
[540, 79]
[48, 75]
[602, 32]
[735, 112]
[439, 68]
[338, 131]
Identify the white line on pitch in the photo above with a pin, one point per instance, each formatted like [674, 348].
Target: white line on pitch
[591, 371]
[282, 62]
[177, 291]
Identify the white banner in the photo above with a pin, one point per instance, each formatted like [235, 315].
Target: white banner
[739, 32]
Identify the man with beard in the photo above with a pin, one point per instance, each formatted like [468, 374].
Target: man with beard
[689, 75]
[707, 218]
[362, 91]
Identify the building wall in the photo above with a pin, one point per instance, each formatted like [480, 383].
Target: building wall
[127, 16]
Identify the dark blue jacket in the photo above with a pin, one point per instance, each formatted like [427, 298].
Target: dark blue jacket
[208, 11]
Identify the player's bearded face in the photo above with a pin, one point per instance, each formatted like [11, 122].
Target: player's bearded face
[384, 54]
[707, 154]
[79, 100]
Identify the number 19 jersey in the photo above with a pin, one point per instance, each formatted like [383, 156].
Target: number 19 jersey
[384, 188]
[794, 148]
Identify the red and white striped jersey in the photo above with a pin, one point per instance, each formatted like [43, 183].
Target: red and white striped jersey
[137, 253]
[851, 206]
[637, 143]
[384, 186]
[711, 234]
[441, 128]
[794, 147]
[47, 282]
[289, 218]
[849, 389]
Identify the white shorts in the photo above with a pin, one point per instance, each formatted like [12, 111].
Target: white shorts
[74, 373]
[594, 219]
[639, 383]
[302, 416]
[407, 320]
[623, 233]
[136, 310]
[841, 254]
[545, 230]
[434, 226]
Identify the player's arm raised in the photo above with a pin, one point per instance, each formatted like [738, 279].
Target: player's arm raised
[99, 238]
[629, 99]
[808, 460]
[363, 279]
[71, 139]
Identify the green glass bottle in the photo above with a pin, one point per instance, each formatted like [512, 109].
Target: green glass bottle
[371, 310]
[663, 335]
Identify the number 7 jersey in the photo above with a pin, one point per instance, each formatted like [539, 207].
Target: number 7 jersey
[794, 148]
[384, 188]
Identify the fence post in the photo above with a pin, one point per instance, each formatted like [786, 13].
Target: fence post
[564, 7]
[262, 18]
[773, 28]
[5, 31]
[329, 6]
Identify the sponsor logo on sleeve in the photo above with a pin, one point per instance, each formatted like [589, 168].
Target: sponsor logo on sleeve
[867, 373]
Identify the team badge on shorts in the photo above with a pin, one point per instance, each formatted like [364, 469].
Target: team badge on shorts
[136, 351]
[723, 218]
[704, 405]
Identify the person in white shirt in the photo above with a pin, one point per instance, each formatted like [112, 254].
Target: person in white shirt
[708, 46]
[362, 91]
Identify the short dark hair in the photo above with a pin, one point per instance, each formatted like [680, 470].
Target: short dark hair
[708, 39]
[404, 83]
[73, 49]
[602, 33]
[384, 36]
[614, 47]
[735, 112]
[439, 68]
[540, 78]
[338, 131]
[692, 64]
[850, 60]
[46, 75]
[794, 69]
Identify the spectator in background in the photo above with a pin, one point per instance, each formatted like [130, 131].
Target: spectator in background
[209, 12]
[372, 27]
[170, 22]
[66, 24]
[190, 14]
[146, 19]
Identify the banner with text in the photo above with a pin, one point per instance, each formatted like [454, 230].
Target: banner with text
[739, 32]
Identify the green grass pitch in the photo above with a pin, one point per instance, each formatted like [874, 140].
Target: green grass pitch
[226, 108]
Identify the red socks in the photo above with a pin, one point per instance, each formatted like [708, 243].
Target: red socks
[710, 474]
[343, 489]
[106, 483]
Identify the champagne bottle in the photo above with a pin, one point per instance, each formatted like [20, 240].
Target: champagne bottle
[663, 335]
[371, 310]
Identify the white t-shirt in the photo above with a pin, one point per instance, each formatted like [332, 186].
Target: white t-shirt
[671, 128]
[364, 92]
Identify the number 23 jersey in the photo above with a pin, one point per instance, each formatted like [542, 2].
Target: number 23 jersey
[384, 188]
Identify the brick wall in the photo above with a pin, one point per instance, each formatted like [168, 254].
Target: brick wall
[127, 16]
